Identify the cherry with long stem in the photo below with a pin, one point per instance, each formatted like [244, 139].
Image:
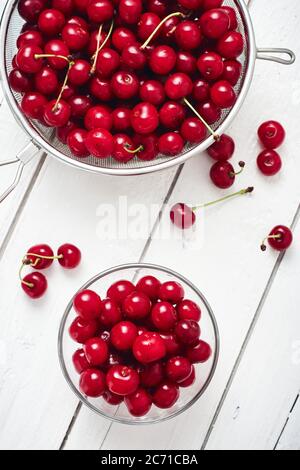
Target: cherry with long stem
[27, 262]
[100, 46]
[147, 42]
[208, 127]
[248, 190]
[71, 63]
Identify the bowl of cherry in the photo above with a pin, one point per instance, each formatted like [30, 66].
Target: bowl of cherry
[138, 344]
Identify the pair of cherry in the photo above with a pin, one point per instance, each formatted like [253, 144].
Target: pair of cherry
[271, 134]
[41, 257]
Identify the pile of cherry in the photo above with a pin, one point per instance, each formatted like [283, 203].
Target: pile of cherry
[139, 345]
[127, 78]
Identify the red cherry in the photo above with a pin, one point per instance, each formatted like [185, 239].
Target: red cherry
[87, 304]
[232, 71]
[51, 22]
[172, 115]
[65, 6]
[27, 61]
[152, 91]
[80, 361]
[182, 216]
[63, 132]
[92, 383]
[209, 4]
[149, 146]
[100, 11]
[30, 9]
[57, 114]
[136, 306]
[130, 10]
[188, 35]
[95, 38]
[58, 48]
[122, 37]
[19, 81]
[96, 351]
[170, 144]
[163, 316]
[186, 62]
[233, 23]
[223, 175]
[100, 88]
[168, 29]
[121, 119]
[79, 72]
[173, 347]
[125, 85]
[69, 256]
[111, 398]
[188, 310]
[152, 374]
[222, 149]
[190, 4]
[162, 60]
[78, 21]
[123, 143]
[269, 162]
[149, 347]
[133, 56]
[178, 86]
[231, 45]
[98, 116]
[210, 65]
[280, 238]
[30, 37]
[32, 105]
[81, 329]
[147, 24]
[108, 62]
[80, 105]
[193, 130]
[171, 291]
[149, 285]
[271, 134]
[187, 331]
[110, 313]
[122, 380]
[35, 285]
[214, 23]
[178, 369]
[166, 395]
[46, 81]
[138, 403]
[120, 290]
[99, 143]
[144, 118]
[223, 94]
[123, 335]
[158, 6]
[35, 256]
[199, 352]
[81, 5]
[76, 139]
[190, 380]
[75, 36]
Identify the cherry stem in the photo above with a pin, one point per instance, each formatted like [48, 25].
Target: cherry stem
[147, 42]
[236, 173]
[71, 63]
[213, 133]
[137, 150]
[100, 46]
[46, 56]
[263, 246]
[27, 262]
[238, 193]
[28, 284]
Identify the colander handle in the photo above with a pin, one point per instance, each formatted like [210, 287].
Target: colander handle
[275, 54]
[21, 160]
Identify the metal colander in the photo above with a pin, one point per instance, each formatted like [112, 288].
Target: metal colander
[42, 138]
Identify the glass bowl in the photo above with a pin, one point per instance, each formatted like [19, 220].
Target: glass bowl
[204, 372]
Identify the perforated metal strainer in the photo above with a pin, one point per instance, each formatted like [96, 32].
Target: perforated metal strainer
[42, 138]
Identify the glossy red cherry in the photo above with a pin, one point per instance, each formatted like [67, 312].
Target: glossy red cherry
[79, 72]
[46, 81]
[232, 71]
[210, 65]
[223, 94]
[214, 23]
[100, 88]
[30, 37]
[193, 130]
[271, 134]
[144, 118]
[187, 331]
[57, 114]
[80, 105]
[149, 21]
[182, 216]
[99, 143]
[163, 316]
[186, 62]
[188, 310]
[33, 104]
[80, 361]
[57, 47]
[123, 148]
[149, 146]
[152, 374]
[19, 81]
[100, 11]
[81, 329]
[152, 91]
[108, 62]
[170, 144]
[172, 115]
[96, 351]
[98, 116]
[190, 380]
[87, 304]
[199, 352]
[178, 86]
[51, 22]
[110, 313]
[280, 238]
[27, 61]
[162, 60]
[136, 306]
[130, 10]
[171, 291]
[120, 290]
[209, 111]
[30, 9]
[40, 256]
[65, 6]
[223, 175]
[133, 57]
[178, 369]
[112, 399]
[92, 383]
[125, 85]
[167, 31]
[122, 37]
[75, 36]
[159, 7]
[34, 285]
[149, 285]
[166, 395]
[173, 347]
[138, 403]
[69, 256]
[231, 45]
[123, 335]
[222, 149]
[122, 380]
[269, 162]
[63, 132]
[76, 140]
[121, 119]
[149, 347]
[188, 35]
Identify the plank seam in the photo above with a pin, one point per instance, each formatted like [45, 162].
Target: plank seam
[286, 422]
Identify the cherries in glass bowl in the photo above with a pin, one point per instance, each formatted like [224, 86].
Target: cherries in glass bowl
[138, 343]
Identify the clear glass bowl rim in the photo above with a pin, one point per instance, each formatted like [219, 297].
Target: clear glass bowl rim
[154, 267]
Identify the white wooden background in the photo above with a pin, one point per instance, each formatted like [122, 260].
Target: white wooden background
[252, 402]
